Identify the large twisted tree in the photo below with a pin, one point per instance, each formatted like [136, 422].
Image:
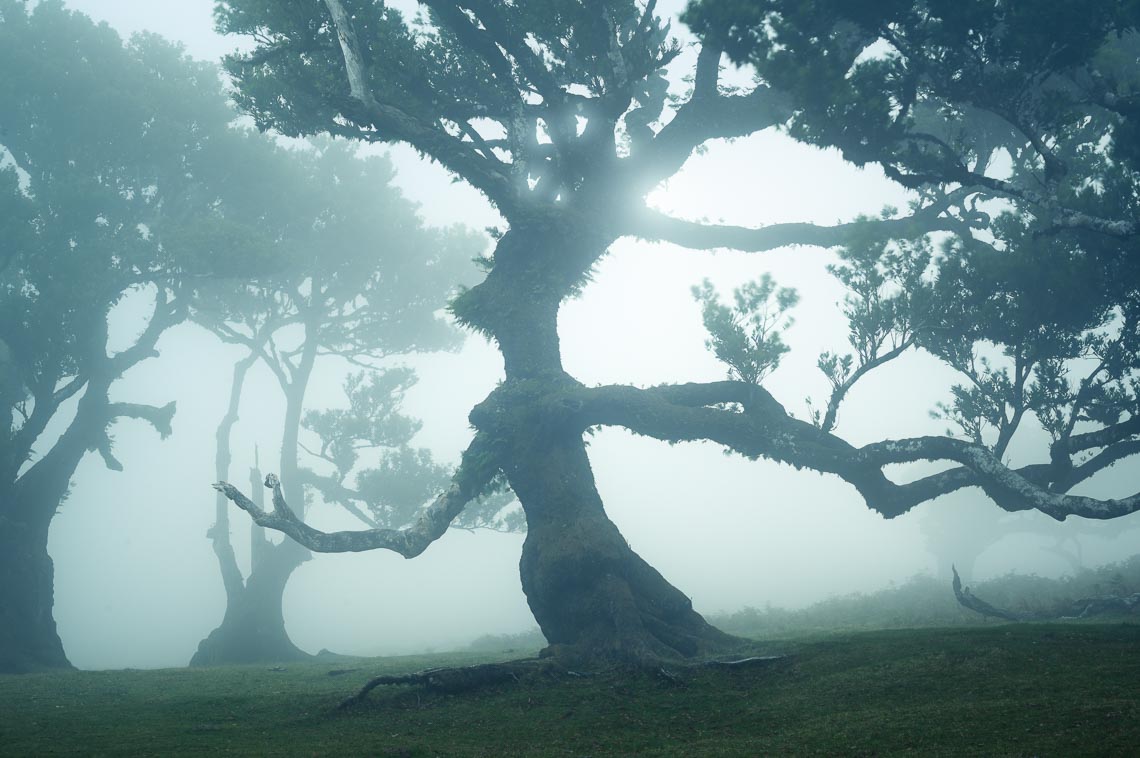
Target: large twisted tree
[560, 112]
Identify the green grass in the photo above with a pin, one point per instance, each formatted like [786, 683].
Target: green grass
[1064, 689]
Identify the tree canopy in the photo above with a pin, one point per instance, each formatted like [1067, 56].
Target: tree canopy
[1009, 135]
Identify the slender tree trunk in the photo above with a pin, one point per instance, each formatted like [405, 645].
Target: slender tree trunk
[253, 627]
[592, 595]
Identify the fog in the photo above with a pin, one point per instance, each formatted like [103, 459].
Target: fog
[137, 584]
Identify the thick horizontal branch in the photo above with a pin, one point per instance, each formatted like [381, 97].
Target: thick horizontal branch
[469, 482]
[1010, 489]
[159, 417]
[764, 429]
[1063, 218]
[1103, 437]
[655, 226]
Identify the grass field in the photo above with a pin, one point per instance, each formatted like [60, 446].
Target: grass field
[1031, 690]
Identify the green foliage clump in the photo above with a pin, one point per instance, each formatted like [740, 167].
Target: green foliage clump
[747, 336]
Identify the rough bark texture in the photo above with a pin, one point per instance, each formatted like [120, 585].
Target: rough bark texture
[592, 595]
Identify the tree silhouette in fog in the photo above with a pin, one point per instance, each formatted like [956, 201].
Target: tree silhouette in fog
[1008, 125]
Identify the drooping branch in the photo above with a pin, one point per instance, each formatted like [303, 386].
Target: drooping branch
[1062, 217]
[159, 418]
[469, 482]
[969, 600]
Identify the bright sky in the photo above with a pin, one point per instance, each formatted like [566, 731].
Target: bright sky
[727, 531]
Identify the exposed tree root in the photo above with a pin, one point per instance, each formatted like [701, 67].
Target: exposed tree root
[1077, 609]
[462, 678]
[467, 678]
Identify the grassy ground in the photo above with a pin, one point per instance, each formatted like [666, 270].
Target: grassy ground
[1066, 689]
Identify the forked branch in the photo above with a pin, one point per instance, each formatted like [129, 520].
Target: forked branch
[765, 429]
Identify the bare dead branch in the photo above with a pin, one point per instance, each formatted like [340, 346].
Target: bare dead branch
[471, 479]
[1075, 609]
[969, 600]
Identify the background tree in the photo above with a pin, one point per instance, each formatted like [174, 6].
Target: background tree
[102, 205]
[559, 112]
[393, 481]
[360, 279]
[959, 534]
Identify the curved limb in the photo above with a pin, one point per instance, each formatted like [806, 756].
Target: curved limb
[1076, 609]
[469, 482]
[764, 429]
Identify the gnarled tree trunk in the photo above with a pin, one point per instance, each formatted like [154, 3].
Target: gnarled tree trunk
[28, 637]
[591, 594]
[29, 640]
[253, 628]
